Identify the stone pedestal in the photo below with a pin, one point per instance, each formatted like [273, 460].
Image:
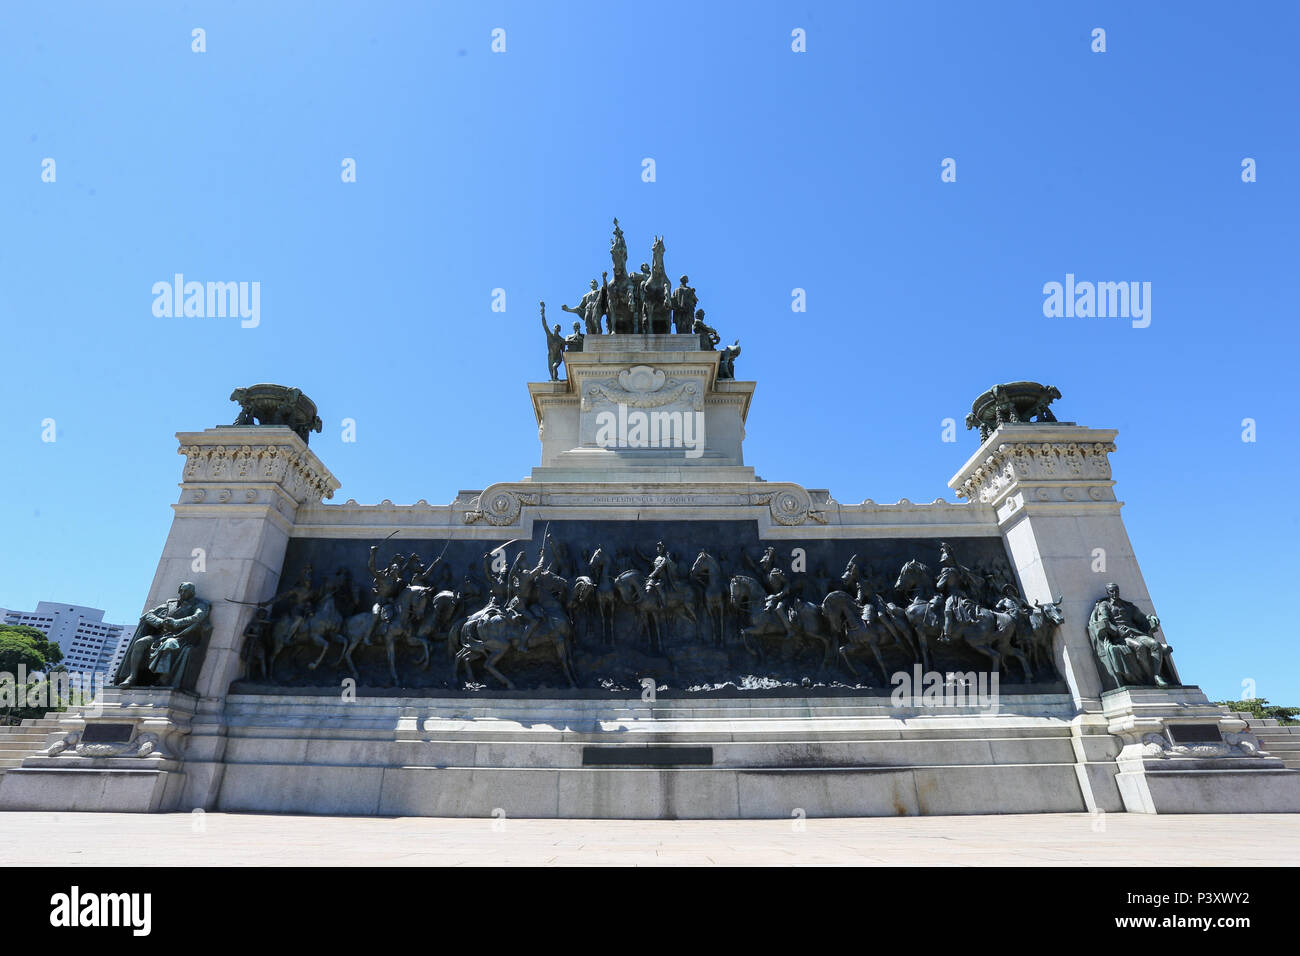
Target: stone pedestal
[1051, 490]
[642, 408]
[1050, 487]
[123, 754]
[1182, 754]
[240, 493]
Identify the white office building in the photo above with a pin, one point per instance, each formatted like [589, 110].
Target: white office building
[89, 645]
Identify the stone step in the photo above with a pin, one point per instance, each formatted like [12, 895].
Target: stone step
[651, 793]
[498, 750]
[36, 743]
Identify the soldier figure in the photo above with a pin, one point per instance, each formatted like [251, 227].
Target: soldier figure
[663, 574]
[301, 598]
[498, 582]
[618, 252]
[954, 583]
[388, 585]
[683, 302]
[523, 599]
[875, 609]
[591, 308]
[423, 578]
[636, 296]
[781, 594]
[727, 363]
[709, 337]
[345, 594]
[573, 343]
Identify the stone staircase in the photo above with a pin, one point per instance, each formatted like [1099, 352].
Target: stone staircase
[1282, 741]
[33, 734]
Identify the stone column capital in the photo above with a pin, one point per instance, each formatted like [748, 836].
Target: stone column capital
[252, 465]
[1046, 466]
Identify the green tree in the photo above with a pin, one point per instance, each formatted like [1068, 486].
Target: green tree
[1261, 709]
[26, 646]
[31, 649]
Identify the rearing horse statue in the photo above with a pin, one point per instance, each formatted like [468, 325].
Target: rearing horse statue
[656, 292]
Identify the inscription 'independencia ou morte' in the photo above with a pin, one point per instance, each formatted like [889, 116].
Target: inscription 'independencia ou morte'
[652, 499]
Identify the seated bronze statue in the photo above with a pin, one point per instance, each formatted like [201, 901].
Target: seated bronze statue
[166, 650]
[1126, 646]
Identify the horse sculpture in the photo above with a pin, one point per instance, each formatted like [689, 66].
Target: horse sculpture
[881, 613]
[656, 292]
[491, 633]
[749, 598]
[707, 573]
[321, 628]
[847, 617]
[991, 633]
[678, 602]
[596, 589]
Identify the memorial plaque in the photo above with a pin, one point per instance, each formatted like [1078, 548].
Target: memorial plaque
[1195, 733]
[106, 733]
[647, 756]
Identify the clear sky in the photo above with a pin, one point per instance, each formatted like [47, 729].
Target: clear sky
[774, 170]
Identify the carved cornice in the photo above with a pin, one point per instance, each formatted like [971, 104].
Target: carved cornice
[1054, 462]
[287, 464]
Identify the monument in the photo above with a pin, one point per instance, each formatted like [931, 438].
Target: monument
[643, 627]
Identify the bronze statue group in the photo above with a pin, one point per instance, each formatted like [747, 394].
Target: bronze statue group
[636, 303]
[525, 617]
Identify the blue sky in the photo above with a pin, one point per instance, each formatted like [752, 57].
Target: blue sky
[775, 170]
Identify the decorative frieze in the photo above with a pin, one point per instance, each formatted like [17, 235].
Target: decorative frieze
[789, 504]
[286, 463]
[1062, 470]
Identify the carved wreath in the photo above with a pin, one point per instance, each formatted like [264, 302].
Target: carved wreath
[643, 387]
[789, 507]
[141, 746]
[1234, 745]
[499, 507]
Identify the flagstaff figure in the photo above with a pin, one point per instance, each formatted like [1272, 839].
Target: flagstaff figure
[554, 347]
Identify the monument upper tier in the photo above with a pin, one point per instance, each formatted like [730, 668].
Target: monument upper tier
[647, 396]
[642, 408]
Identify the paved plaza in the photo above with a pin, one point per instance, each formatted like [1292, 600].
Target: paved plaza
[1065, 839]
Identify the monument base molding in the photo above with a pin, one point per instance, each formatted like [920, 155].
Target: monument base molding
[1182, 754]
